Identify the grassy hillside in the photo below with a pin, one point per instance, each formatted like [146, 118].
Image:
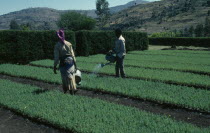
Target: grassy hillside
[37, 17]
[164, 15]
[46, 18]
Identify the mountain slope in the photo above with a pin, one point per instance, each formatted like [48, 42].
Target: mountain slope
[129, 4]
[46, 18]
[165, 15]
[38, 17]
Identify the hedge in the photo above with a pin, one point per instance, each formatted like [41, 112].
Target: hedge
[26, 46]
[197, 42]
[99, 42]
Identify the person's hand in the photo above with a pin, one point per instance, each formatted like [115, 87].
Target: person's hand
[54, 69]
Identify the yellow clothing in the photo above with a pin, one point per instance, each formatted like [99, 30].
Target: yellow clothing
[62, 50]
[68, 78]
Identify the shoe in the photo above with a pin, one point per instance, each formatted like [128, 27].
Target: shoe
[75, 91]
[124, 77]
[71, 92]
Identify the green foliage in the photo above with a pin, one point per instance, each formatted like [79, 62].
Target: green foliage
[14, 25]
[191, 31]
[167, 60]
[26, 46]
[26, 27]
[187, 97]
[75, 21]
[103, 11]
[87, 115]
[166, 76]
[207, 27]
[165, 34]
[197, 42]
[199, 30]
[95, 42]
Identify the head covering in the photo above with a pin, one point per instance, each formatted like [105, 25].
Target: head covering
[61, 35]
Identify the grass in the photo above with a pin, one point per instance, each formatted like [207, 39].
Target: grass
[81, 114]
[181, 96]
[167, 76]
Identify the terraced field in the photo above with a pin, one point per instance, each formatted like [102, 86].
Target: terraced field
[176, 81]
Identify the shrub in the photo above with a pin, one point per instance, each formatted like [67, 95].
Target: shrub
[197, 42]
[26, 46]
[95, 42]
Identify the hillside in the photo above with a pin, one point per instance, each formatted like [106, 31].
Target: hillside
[129, 4]
[46, 18]
[159, 16]
[39, 18]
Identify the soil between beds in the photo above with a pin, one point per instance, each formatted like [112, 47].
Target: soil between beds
[198, 119]
[13, 123]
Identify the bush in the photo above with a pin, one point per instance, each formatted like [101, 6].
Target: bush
[197, 42]
[26, 46]
[95, 42]
[75, 21]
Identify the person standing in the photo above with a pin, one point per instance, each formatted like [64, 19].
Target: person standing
[120, 51]
[63, 53]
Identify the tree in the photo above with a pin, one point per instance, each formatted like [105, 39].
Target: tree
[208, 13]
[199, 30]
[14, 25]
[191, 31]
[75, 21]
[207, 27]
[27, 26]
[186, 32]
[103, 11]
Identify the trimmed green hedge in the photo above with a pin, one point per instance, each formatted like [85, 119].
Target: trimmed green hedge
[96, 42]
[26, 46]
[197, 42]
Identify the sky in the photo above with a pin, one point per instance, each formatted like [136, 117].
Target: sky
[7, 6]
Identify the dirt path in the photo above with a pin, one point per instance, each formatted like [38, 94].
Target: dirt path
[199, 119]
[13, 123]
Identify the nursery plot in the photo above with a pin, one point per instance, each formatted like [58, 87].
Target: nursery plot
[161, 58]
[185, 57]
[194, 68]
[177, 53]
[167, 76]
[88, 115]
[181, 96]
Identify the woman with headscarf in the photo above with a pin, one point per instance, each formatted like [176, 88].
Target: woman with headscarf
[63, 53]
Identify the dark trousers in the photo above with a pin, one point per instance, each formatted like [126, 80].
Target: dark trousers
[119, 68]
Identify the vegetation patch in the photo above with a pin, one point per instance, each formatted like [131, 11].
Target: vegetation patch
[80, 114]
[181, 96]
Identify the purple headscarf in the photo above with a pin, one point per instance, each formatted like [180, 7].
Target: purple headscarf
[61, 35]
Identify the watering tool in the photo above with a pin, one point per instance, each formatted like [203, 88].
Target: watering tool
[78, 77]
[111, 57]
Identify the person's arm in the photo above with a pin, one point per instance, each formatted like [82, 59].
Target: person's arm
[72, 53]
[56, 57]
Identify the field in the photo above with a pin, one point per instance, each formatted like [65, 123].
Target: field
[165, 91]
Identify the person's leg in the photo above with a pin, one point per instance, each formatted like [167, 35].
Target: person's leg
[117, 68]
[72, 85]
[121, 66]
[64, 81]
[64, 84]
